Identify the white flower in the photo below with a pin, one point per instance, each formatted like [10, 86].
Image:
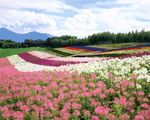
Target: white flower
[119, 67]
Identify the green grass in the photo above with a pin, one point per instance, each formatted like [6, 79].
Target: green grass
[13, 51]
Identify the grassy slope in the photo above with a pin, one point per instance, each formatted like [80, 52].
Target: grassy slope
[13, 51]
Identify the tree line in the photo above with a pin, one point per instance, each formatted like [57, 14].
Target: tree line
[67, 40]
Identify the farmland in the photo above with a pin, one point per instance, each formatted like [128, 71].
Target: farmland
[76, 82]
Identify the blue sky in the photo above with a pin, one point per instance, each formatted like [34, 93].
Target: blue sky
[74, 17]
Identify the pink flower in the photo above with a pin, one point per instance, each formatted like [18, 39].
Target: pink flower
[7, 114]
[76, 113]
[139, 117]
[94, 103]
[102, 96]
[110, 75]
[86, 112]
[24, 108]
[101, 85]
[18, 115]
[145, 106]
[76, 106]
[111, 117]
[91, 84]
[95, 118]
[49, 105]
[93, 76]
[125, 117]
[37, 88]
[140, 93]
[122, 101]
[3, 108]
[102, 110]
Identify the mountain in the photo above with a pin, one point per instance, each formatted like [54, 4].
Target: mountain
[7, 34]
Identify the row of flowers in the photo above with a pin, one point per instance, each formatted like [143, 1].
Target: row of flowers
[119, 67]
[95, 49]
[85, 48]
[42, 55]
[73, 96]
[127, 50]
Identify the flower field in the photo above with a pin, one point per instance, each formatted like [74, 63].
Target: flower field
[39, 86]
[103, 51]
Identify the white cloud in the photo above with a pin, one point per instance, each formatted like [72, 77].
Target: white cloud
[25, 19]
[46, 5]
[21, 16]
[117, 19]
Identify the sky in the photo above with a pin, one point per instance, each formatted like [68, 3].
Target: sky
[74, 17]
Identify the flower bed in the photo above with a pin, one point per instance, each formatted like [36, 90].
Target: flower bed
[65, 96]
[85, 48]
[36, 60]
[127, 50]
[100, 89]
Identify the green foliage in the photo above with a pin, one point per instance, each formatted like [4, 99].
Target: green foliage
[67, 40]
[13, 51]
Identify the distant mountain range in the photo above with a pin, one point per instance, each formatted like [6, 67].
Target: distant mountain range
[7, 34]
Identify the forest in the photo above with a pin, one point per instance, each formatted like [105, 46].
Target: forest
[67, 40]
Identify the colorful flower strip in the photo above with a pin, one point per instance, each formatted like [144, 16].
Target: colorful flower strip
[77, 49]
[36, 60]
[41, 55]
[119, 67]
[73, 59]
[102, 50]
[125, 50]
[86, 48]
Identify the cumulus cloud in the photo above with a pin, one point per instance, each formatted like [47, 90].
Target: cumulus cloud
[51, 16]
